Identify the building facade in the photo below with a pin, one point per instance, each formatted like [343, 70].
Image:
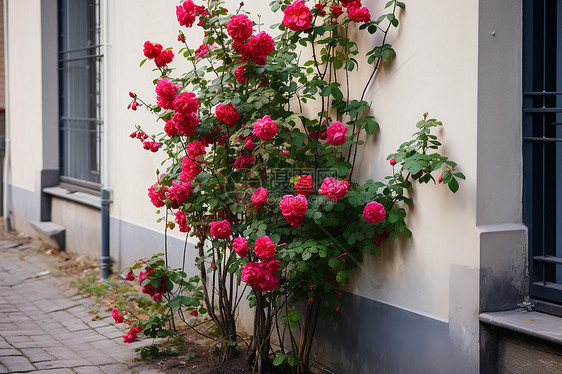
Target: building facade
[427, 304]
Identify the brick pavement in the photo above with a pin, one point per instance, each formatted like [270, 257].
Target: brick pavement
[48, 329]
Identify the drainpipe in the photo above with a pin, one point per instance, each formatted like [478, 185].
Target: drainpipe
[6, 191]
[106, 260]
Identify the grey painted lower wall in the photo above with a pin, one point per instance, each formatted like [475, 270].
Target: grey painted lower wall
[130, 242]
[372, 337]
[24, 206]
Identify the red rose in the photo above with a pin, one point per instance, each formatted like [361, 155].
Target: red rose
[156, 195]
[297, 16]
[164, 58]
[220, 229]
[293, 208]
[392, 161]
[244, 161]
[264, 248]
[186, 102]
[336, 133]
[197, 148]
[227, 114]
[261, 45]
[259, 198]
[116, 315]
[374, 212]
[179, 192]
[189, 169]
[239, 27]
[239, 74]
[170, 128]
[251, 273]
[336, 11]
[304, 185]
[186, 123]
[273, 265]
[357, 13]
[181, 220]
[334, 189]
[151, 50]
[265, 128]
[186, 13]
[165, 93]
[249, 144]
[240, 246]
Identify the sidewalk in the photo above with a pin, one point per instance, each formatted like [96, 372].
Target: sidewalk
[47, 329]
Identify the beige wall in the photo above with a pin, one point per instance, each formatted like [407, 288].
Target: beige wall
[25, 112]
[435, 70]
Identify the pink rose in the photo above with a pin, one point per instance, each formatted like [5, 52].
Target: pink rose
[239, 74]
[220, 229]
[227, 114]
[179, 192]
[186, 13]
[334, 189]
[336, 133]
[273, 265]
[248, 144]
[164, 58]
[304, 185]
[181, 220]
[268, 281]
[165, 93]
[186, 123]
[285, 152]
[189, 169]
[251, 273]
[297, 16]
[265, 128]
[186, 102]
[264, 248]
[392, 161]
[374, 212]
[259, 198]
[239, 27]
[151, 50]
[156, 195]
[240, 246]
[357, 13]
[201, 51]
[244, 161]
[261, 45]
[116, 315]
[293, 209]
[157, 297]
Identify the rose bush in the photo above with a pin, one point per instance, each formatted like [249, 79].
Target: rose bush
[242, 163]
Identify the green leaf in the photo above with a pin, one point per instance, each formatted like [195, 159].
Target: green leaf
[142, 62]
[279, 359]
[459, 175]
[341, 277]
[453, 185]
[293, 361]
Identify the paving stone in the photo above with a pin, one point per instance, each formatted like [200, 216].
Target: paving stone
[114, 369]
[55, 371]
[36, 354]
[57, 364]
[3, 369]
[9, 352]
[16, 363]
[88, 370]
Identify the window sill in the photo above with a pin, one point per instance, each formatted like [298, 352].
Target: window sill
[539, 325]
[78, 197]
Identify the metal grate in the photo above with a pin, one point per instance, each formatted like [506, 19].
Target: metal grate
[80, 55]
[542, 145]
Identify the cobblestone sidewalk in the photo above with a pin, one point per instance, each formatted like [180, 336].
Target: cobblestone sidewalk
[47, 329]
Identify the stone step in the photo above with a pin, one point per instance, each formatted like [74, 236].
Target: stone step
[50, 233]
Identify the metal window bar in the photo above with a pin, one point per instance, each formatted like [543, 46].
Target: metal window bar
[542, 145]
[80, 127]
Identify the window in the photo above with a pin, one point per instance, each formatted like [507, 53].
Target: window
[542, 145]
[79, 92]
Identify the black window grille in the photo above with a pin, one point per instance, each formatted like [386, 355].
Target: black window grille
[542, 145]
[80, 126]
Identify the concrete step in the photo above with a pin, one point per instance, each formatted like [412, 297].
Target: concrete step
[50, 233]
